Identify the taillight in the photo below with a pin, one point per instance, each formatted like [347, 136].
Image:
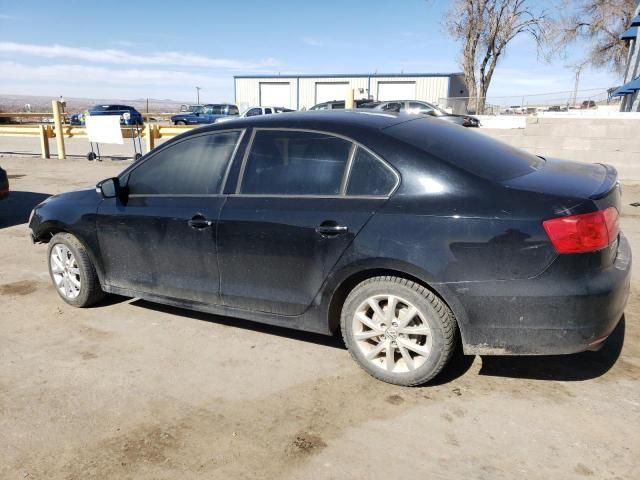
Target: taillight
[585, 232]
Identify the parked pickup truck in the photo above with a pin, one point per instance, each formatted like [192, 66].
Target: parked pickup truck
[206, 114]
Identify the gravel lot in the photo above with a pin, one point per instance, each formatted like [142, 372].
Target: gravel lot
[134, 390]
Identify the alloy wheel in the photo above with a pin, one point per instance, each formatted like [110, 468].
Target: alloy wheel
[65, 271]
[392, 333]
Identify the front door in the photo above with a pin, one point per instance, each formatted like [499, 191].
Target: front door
[161, 237]
[290, 220]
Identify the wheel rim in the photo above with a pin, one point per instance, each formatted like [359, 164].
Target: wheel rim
[65, 271]
[392, 334]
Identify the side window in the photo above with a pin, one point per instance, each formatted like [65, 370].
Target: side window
[254, 112]
[267, 111]
[233, 110]
[295, 163]
[420, 108]
[369, 176]
[217, 109]
[195, 166]
[393, 107]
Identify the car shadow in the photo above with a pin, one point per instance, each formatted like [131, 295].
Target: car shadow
[567, 368]
[334, 341]
[575, 367]
[15, 209]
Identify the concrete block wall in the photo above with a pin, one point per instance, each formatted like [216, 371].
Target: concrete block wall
[600, 140]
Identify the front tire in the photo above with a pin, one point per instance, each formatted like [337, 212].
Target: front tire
[72, 272]
[397, 330]
[181, 122]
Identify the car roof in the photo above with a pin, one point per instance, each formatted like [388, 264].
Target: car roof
[331, 120]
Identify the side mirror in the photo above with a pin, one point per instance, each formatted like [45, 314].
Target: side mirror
[109, 188]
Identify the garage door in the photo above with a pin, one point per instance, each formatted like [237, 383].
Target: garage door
[275, 94]
[327, 91]
[396, 91]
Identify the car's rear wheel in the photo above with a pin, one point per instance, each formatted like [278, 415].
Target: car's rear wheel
[397, 330]
[181, 122]
[72, 272]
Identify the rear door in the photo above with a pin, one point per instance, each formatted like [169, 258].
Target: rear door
[292, 217]
[161, 239]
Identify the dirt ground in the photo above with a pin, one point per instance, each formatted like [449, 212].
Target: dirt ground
[133, 390]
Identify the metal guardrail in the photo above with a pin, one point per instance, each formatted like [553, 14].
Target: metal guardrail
[150, 132]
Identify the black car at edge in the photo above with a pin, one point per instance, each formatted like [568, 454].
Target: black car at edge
[404, 232]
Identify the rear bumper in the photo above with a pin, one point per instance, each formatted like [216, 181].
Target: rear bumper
[558, 312]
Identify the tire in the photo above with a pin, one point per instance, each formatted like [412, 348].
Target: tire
[180, 122]
[78, 284]
[421, 328]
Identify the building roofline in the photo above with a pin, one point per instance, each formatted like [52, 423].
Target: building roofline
[354, 75]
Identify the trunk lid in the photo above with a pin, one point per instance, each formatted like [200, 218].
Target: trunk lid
[565, 178]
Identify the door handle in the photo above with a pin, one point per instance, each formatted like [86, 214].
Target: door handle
[331, 228]
[199, 222]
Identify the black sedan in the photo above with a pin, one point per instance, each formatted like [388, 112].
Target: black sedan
[404, 232]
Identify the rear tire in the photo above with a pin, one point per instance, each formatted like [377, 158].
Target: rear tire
[72, 271]
[397, 330]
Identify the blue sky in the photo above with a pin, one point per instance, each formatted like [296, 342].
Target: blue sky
[137, 49]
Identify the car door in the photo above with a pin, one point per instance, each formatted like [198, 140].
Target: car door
[289, 220]
[161, 238]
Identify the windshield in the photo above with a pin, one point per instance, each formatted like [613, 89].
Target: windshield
[197, 108]
[439, 111]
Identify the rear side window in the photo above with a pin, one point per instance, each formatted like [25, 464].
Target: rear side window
[195, 166]
[474, 152]
[369, 176]
[233, 110]
[253, 112]
[295, 163]
[393, 107]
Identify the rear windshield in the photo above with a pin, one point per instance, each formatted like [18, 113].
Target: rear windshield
[472, 151]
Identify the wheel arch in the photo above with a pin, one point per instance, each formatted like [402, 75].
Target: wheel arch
[48, 230]
[349, 281]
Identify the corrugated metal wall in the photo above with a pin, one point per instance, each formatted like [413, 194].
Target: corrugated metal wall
[308, 88]
[428, 88]
[248, 90]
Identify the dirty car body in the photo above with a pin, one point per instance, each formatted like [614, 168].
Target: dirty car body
[457, 212]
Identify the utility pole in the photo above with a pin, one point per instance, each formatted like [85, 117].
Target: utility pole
[198, 94]
[577, 68]
[575, 86]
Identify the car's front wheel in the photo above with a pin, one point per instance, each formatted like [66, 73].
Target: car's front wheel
[181, 122]
[397, 330]
[72, 272]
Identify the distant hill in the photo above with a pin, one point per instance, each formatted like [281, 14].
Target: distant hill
[16, 103]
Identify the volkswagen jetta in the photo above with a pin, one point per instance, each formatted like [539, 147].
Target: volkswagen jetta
[405, 232]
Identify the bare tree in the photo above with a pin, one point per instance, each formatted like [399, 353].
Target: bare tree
[598, 22]
[486, 27]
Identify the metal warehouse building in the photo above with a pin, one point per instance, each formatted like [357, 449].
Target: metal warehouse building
[304, 91]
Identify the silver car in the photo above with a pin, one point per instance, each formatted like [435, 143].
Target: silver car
[418, 107]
